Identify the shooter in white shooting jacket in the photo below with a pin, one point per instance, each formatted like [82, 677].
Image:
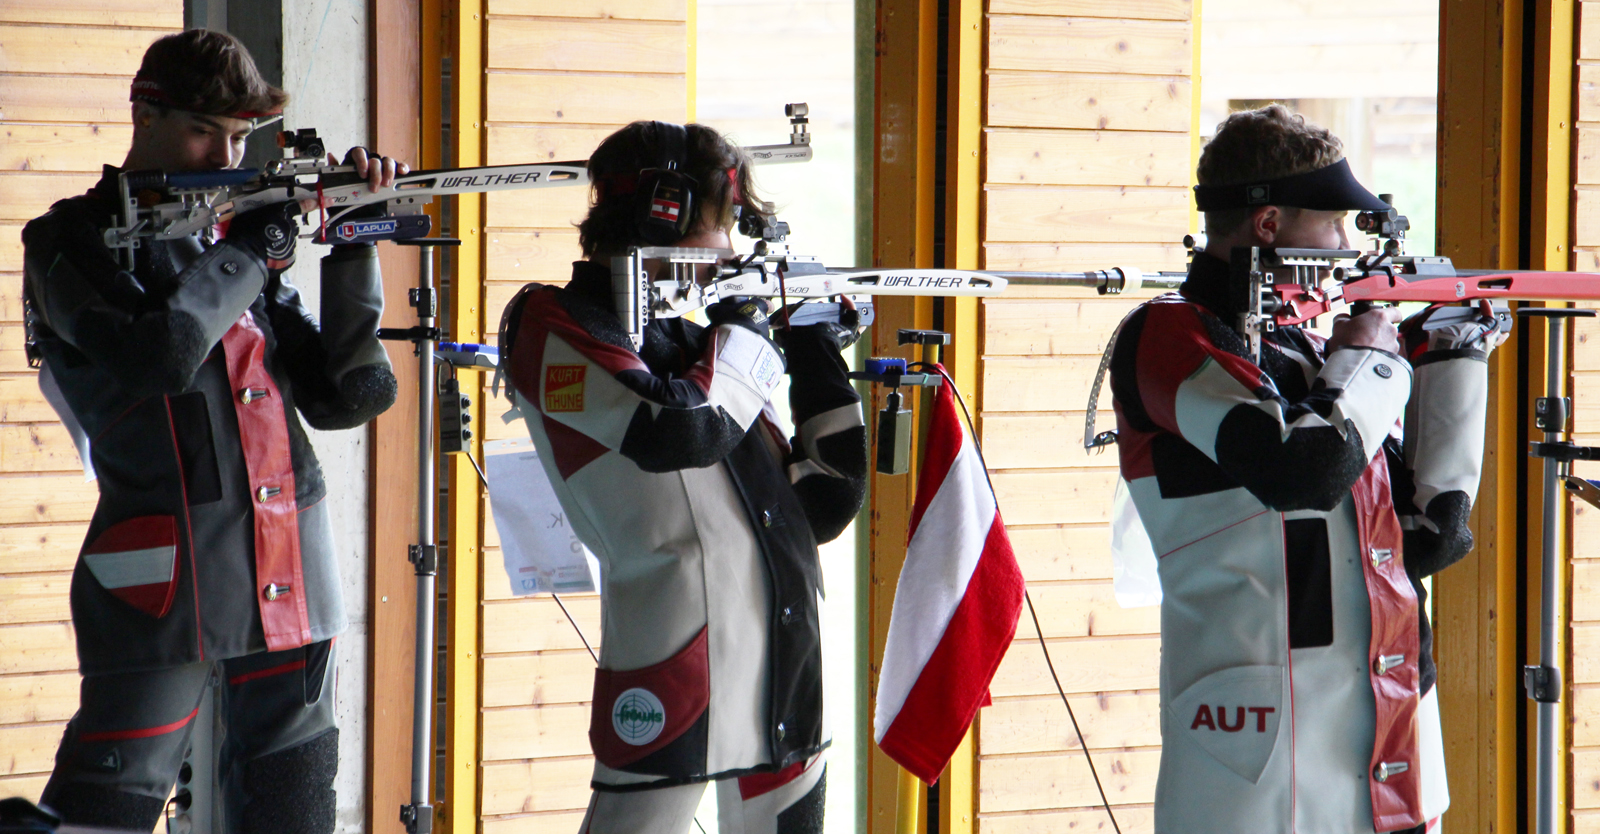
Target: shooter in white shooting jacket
[1292, 516]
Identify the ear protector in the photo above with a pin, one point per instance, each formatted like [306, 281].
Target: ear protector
[666, 195]
[664, 203]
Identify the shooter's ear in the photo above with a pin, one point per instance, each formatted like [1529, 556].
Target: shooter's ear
[1266, 223]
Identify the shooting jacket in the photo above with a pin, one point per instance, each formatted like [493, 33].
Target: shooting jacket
[1296, 674]
[671, 468]
[210, 539]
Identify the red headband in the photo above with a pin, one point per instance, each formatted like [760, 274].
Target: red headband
[147, 90]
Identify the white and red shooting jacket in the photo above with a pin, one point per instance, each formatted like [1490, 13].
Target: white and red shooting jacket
[1296, 674]
[705, 520]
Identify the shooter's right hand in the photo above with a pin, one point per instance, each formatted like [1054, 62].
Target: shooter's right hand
[1373, 329]
[268, 232]
[749, 313]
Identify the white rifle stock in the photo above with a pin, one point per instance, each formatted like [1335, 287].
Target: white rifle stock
[191, 202]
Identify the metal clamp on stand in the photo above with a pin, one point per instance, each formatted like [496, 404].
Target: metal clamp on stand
[894, 421]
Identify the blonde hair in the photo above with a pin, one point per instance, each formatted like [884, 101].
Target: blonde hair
[1259, 145]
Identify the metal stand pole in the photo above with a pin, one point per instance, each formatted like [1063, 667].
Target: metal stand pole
[1543, 682]
[1546, 801]
[424, 555]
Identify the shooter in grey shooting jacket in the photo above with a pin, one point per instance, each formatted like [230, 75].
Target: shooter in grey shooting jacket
[210, 551]
[669, 462]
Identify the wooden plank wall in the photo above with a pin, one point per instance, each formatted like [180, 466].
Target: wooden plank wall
[64, 75]
[1087, 165]
[560, 77]
[1584, 575]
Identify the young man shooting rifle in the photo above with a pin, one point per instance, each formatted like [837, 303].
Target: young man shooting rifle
[210, 552]
[669, 462]
[1293, 519]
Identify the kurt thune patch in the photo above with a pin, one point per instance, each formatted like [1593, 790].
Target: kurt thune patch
[563, 387]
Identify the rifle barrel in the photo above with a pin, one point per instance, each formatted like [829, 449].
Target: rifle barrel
[1100, 279]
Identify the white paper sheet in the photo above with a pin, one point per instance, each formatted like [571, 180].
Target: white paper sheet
[1135, 579]
[541, 552]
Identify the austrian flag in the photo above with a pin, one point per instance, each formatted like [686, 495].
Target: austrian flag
[662, 209]
[955, 608]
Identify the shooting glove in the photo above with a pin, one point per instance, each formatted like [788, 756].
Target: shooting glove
[269, 233]
[749, 313]
[1444, 434]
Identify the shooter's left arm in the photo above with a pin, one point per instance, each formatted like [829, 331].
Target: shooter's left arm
[1444, 435]
[339, 370]
[828, 467]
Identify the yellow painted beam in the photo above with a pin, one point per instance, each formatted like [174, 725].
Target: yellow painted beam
[1554, 42]
[904, 167]
[462, 662]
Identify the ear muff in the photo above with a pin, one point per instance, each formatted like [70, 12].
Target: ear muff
[666, 195]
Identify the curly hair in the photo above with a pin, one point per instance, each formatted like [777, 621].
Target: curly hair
[719, 168]
[206, 72]
[1257, 145]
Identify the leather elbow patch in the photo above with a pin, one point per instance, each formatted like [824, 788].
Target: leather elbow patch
[156, 354]
[1312, 469]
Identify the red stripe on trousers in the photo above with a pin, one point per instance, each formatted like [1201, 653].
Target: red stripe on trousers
[147, 732]
[267, 673]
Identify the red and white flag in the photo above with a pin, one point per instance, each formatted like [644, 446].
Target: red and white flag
[955, 608]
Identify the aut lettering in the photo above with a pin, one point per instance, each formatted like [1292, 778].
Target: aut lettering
[1204, 717]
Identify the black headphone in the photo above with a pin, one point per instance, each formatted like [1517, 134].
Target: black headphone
[665, 202]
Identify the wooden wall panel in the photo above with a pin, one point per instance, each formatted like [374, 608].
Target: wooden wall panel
[1584, 673]
[64, 75]
[1087, 165]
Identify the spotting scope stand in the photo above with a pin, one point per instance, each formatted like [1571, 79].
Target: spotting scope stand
[1542, 681]
[424, 552]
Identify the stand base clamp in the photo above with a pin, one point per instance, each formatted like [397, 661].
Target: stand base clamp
[1543, 683]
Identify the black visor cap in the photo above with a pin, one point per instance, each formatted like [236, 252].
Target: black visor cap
[1333, 188]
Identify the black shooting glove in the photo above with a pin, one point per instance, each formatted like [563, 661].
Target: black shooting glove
[269, 233]
[749, 313]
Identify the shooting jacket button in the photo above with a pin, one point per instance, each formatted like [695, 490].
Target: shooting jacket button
[1386, 662]
[766, 518]
[787, 616]
[248, 395]
[1383, 370]
[273, 591]
[1381, 555]
[230, 268]
[267, 493]
[781, 731]
[1386, 769]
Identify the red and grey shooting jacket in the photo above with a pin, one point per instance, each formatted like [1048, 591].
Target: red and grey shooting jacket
[705, 519]
[1293, 522]
[210, 539]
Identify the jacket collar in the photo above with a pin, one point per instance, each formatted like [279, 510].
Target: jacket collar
[592, 281]
[1210, 284]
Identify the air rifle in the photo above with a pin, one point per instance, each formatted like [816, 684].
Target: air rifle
[661, 282]
[161, 206]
